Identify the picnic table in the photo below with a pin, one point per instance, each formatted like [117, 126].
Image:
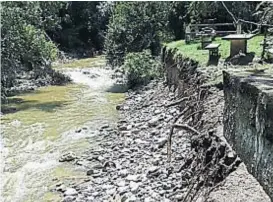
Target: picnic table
[238, 42]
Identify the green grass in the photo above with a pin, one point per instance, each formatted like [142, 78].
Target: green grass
[194, 51]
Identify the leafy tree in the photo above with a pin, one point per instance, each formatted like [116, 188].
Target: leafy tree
[24, 44]
[82, 26]
[135, 26]
[265, 12]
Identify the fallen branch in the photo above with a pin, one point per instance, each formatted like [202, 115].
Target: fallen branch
[202, 110]
[187, 128]
[179, 126]
[177, 102]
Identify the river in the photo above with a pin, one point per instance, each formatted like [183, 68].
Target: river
[49, 122]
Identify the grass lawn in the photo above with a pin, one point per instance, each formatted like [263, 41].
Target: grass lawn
[193, 50]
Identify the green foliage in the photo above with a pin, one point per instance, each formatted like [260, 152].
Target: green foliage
[140, 67]
[265, 12]
[135, 26]
[82, 26]
[198, 11]
[24, 46]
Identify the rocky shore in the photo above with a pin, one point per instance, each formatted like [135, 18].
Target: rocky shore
[131, 161]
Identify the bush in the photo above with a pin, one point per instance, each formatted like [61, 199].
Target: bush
[140, 68]
[134, 27]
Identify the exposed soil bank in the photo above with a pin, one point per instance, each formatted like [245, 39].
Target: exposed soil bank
[249, 121]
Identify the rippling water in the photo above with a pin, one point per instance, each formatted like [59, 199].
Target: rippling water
[43, 127]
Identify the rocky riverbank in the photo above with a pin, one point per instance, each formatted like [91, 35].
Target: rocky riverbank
[30, 81]
[131, 161]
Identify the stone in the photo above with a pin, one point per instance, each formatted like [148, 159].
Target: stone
[132, 198]
[153, 122]
[97, 166]
[179, 196]
[173, 111]
[69, 199]
[134, 186]
[105, 126]
[90, 172]
[129, 127]
[123, 173]
[125, 108]
[95, 194]
[121, 183]
[154, 132]
[70, 192]
[100, 158]
[147, 199]
[61, 188]
[69, 156]
[110, 191]
[123, 190]
[123, 127]
[134, 178]
[153, 169]
[157, 112]
[161, 142]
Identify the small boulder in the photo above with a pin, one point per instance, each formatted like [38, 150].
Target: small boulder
[153, 122]
[69, 156]
[134, 178]
[70, 192]
[134, 186]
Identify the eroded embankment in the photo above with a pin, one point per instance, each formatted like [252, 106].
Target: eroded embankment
[132, 163]
[249, 121]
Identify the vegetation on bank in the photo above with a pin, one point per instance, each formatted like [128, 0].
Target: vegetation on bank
[140, 68]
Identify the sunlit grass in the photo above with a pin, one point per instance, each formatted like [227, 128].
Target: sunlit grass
[195, 52]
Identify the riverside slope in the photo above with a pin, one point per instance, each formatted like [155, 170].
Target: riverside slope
[130, 164]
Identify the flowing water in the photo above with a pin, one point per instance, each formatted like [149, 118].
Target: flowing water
[44, 126]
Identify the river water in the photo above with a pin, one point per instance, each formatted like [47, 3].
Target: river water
[46, 124]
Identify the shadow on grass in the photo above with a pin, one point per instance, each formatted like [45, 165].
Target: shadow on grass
[241, 60]
[19, 104]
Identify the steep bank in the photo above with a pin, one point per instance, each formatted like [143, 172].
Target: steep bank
[249, 121]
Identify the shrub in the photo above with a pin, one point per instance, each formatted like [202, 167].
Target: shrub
[141, 67]
[134, 27]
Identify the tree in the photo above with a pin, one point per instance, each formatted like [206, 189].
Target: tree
[82, 26]
[24, 43]
[135, 26]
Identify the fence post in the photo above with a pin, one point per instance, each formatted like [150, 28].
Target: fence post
[239, 28]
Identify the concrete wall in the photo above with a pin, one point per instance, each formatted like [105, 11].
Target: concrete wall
[248, 122]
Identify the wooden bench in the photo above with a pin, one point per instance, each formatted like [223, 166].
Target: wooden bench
[213, 50]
